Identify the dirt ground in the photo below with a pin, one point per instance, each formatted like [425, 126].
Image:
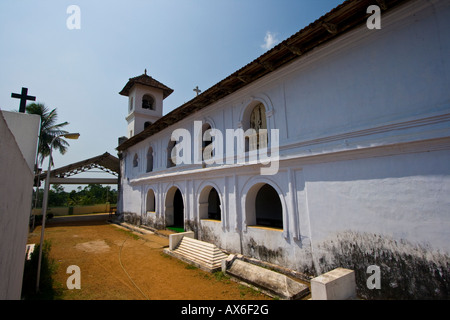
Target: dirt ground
[116, 264]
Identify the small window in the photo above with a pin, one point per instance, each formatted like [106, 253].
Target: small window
[171, 147]
[131, 104]
[150, 159]
[148, 102]
[135, 161]
[206, 142]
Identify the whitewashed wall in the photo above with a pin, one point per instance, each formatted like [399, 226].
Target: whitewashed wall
[15, 198]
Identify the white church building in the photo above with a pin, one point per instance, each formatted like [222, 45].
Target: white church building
[356, 170]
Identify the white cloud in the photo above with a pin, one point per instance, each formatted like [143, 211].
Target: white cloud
[270, 41]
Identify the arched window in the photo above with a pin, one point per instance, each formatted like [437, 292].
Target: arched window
[209, 204]
[171, 162]
[263, 206]
[148, 102]
[150, 159]
[268, 208]
[258, 122]
[135, 160]
[206, 142]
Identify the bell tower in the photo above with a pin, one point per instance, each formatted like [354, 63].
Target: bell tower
[145, 102]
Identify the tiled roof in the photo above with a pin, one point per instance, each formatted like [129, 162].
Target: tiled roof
[145, 80]
[347, 16]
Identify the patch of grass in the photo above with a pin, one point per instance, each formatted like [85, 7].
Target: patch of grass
[176, 229]
[129, 233]
[165, 255]
[220, 276]
[203, 274]
[190, 267]
[246, 290]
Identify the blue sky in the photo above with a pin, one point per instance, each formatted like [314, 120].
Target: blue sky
[182, 43]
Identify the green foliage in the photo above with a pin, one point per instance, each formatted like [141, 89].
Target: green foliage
[47, 286]
[57, 197]
[90, 195]
[38, 218]
[49, 129]
[220, 276]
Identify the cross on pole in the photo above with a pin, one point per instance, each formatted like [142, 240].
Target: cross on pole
[23, 98]
[197, 90]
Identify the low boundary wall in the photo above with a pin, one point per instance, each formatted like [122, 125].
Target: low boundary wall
[65, 211]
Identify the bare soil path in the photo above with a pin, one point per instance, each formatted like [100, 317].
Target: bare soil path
[119, 265]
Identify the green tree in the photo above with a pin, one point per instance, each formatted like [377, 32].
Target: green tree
[49, 130]
[57, 197]
[89, 195]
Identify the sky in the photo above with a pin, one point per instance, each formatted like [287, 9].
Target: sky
[181, 43]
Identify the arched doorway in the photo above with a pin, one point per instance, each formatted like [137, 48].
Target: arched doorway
[178, 210]
[214, 211]
[174, 209]
[150, 205]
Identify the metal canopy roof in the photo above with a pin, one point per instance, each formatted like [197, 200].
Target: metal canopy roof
[105, 162]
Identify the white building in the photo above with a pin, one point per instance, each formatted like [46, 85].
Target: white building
[18, 141]
[364, 151]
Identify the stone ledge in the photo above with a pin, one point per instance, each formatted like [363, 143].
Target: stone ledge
[272, 283]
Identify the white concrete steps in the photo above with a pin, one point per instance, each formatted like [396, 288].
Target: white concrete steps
[202, 252]
[199, 253]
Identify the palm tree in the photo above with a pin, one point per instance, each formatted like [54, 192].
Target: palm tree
[49, 130]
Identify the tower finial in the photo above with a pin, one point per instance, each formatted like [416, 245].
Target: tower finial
[145, 71]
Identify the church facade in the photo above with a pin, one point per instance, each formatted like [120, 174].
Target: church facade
[355, 126]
